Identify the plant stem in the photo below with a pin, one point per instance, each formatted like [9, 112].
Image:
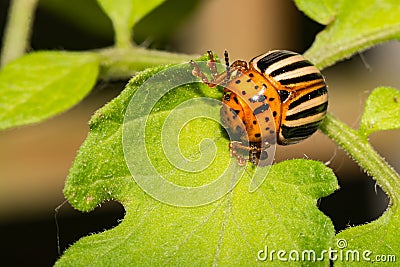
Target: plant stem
[364, 154]
[123, 36]
[122, 63]
[17, 30]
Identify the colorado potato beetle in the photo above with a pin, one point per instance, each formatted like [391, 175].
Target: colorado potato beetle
[277, 96]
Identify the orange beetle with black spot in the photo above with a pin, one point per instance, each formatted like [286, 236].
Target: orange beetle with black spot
[276, 96]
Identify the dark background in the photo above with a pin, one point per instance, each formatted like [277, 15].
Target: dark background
[34, 160]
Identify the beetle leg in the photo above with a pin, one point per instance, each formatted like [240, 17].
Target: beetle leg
[198, 73]
[254, 150]
[234, 146]
[217, 78]
[257, 155]
[212, 65]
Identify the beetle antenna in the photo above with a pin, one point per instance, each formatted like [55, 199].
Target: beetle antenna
[228, 68]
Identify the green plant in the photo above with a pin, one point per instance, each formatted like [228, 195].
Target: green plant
[234, 229]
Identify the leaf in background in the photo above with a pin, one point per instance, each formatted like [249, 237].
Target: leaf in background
[43, 84]
[382, 111]
[125, 13]
[89, 18]
[281, 214]
[322, 11]
[357, 25]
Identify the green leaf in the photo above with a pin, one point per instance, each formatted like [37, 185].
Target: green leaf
[323, 11]
[43, 84]
[382, 111]
[124, 14]
[377, 241]
[281, 214]
[357, 25]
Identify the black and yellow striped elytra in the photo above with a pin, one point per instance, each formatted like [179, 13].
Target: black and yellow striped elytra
[303, 92]
[279, 87]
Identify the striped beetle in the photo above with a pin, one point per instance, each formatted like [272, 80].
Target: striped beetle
[276, 96]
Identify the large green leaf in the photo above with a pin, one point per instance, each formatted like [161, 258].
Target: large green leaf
[382, 111]
[280, 215]
[43, 84]
[353, 26]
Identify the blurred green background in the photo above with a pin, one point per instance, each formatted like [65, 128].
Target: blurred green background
[34, 160]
